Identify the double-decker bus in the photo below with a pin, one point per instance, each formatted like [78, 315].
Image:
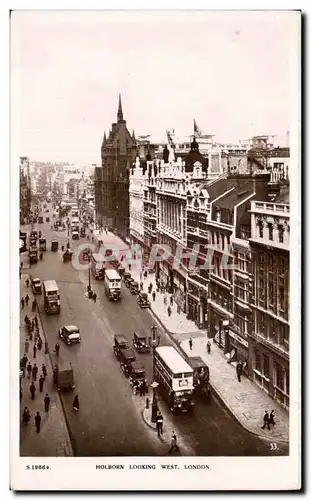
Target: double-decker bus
[98, 266]
[51, 297]
[175, 379]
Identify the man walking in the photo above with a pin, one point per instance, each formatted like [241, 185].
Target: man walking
[171, 300]
[22, 302]
[266, 421]
[174, 445]
[47, 402]
[38, 421]
[27, 283]
[26, 346]
[34, 372]
[29, 369]
[153, 295]
[190, 343]
[35, 350]
[159, 422]
[27, 299]
[32, 389]
[208, 347]
[26, 416]
[94, 296]
[44, 370]
[239, 370]
[271, 418]
[169, 311]
[41, 383]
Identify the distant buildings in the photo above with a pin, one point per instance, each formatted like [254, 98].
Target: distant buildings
[24, 188]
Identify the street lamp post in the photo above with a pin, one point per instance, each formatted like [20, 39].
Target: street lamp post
[68, 235]
[154, 341]
[89, 288]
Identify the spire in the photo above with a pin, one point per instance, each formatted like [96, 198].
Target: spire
[104, 139]
[120, 112]
[133, 136]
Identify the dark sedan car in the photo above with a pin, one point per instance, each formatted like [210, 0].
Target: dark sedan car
[36, 286]
[70, 334]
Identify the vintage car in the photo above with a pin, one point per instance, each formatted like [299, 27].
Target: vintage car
[142, 299]
[34, 235]
[70, 334]
[67, 255]
[54, 246]
[137, 374]
[140, 342]
[126, 276]
[36, 286]
[42, 244]
[126, 358]
[82, 232]
[200, 377]
[47, 219]
[128, 282]
[63, 376]
[134, 287]
[120, 343]
[75, 235]
[121, 270]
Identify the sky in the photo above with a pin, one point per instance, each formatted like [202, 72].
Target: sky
[231, 71]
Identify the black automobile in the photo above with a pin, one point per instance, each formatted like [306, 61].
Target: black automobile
[140, 342]
[134, 287]
[54, 246]
[137, 374]
[70, 334]
[143, 300]
[126, 276]
[121, 270]
[36, 286]
[126, 358]
[128, 282]
[120, 343]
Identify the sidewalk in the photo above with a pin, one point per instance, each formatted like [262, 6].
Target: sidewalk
[53, 439]
[244, 399]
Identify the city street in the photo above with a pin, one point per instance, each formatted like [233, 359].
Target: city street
[109, 422]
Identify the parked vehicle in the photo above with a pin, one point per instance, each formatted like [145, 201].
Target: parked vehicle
[134, 287]
[175, 378]
[137, 374]
[128, 282]
[34, 234]
[75, 235]
[120, 343]
[142, 299]
[126, 358]
[126, 276]
[36, 286]
[47, 219]
[54, 246]
[67, 255]
[65, 377]
[200, 377]
[33, 254]
[140, 342]
[121, 270]
[70, 334]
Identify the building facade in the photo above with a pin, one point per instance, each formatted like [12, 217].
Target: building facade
[118, 152]
[25, 189]
[269, 340]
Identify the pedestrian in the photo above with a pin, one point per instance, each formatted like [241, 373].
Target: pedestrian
[239, 370]
[38, 421]
[26, 346]
[159, 422]
[44, 370]
[94, 296]
[27, 299]
[208, 347]
[35, 350]
[57, 348]
[169, 311]
[26, 416]
[36, 320]
[174, 445]
[141, 286]
[141, 389]
[130, 267]
[46, 348]
[33, 305]
[29, 369]
[27, 283]
[153, 295]
[39, 343]
[165, 300]
[22, 302]
[41, 383]
[271, 418]
[20, 394]
[55, 374]
[76, 403]
[190, 344]
[24, 364]
[266, 421]
[34, 372]
[171, 300]
[32, 389]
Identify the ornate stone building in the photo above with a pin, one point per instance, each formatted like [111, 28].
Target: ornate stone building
[118, 152]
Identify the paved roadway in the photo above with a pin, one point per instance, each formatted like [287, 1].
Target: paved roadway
[109, 422]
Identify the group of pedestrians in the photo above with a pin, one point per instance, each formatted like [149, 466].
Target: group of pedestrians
[159, 424]
[37, 418]
[268, 420]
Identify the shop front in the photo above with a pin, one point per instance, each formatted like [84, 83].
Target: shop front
[238, 348]
[218, 329]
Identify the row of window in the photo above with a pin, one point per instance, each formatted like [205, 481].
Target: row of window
[271, 329]
[270, 226]
[277, 374]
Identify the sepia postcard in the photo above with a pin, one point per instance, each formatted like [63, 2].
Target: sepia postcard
[155, 250]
